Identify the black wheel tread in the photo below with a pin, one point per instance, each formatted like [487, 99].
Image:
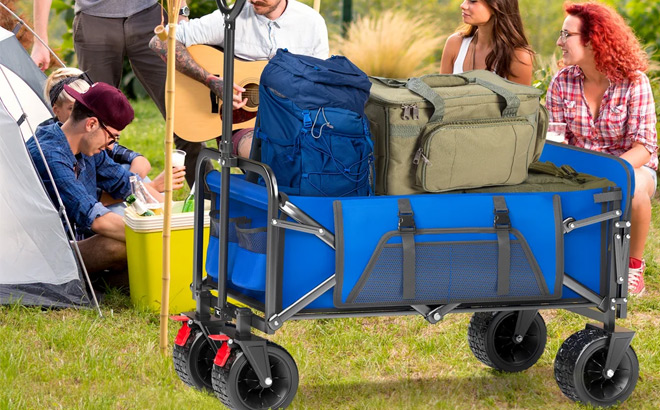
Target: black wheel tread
[490, 336]
[180, 358]
[220, 377]
[568, 356]
[477, 336]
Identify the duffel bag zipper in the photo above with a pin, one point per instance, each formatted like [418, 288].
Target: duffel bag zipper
[420, 155]
[409, 112]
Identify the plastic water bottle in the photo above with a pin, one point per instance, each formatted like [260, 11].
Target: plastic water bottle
[189, 203]
[142, 194]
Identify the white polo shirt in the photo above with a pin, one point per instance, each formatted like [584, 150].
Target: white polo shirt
[299, 29]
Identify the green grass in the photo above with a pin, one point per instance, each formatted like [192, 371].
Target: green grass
[73, 359]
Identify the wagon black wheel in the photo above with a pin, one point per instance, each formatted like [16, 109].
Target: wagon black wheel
[492, 339]
[193, 362]
[580, 370]
[237, 386]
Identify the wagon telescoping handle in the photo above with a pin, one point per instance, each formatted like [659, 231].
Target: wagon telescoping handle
[230, 14]
[225, 147]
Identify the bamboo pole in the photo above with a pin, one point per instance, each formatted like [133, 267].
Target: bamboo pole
[169, 132]
[317, 5]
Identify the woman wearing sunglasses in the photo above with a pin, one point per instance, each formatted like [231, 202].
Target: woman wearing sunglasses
[605, 99]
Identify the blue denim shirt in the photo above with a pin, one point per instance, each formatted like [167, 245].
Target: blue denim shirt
[121, 154]
[77, 176]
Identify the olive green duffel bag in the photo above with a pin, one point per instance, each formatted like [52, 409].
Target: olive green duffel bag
[443, 132]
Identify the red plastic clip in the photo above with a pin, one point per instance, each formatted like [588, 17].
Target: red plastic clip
[183, 335]
[224, 351]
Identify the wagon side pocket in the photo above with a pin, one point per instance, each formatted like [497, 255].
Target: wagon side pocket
[249, 268]
[232, 246]
[412, 266]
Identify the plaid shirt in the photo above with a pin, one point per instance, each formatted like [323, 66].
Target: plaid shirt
[627, 114]
[77, 177]
[121, 154]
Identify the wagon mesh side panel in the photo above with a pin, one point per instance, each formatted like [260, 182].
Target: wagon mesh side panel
[448, 271]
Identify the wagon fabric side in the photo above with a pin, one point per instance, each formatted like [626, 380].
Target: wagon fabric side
[397, 251]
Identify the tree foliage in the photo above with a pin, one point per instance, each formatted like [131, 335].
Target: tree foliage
[542, 22]
[643, 16]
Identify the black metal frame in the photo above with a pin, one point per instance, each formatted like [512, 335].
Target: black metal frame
[213, 312]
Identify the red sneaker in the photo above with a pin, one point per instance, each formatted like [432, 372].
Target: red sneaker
[636, 280]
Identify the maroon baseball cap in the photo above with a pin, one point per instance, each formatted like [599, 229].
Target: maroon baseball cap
[106, 102]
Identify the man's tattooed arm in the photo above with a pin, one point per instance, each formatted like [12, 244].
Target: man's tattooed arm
[188, 66]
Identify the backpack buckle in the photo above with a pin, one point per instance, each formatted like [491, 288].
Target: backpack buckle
[307, 119]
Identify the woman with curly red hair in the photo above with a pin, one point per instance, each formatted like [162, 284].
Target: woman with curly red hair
[605, 100]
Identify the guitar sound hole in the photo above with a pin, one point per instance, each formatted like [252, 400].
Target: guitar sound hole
[252, 94]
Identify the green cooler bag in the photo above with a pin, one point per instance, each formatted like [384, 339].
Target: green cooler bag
[444, 132]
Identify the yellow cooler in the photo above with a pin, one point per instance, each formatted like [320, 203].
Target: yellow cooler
[144, 246]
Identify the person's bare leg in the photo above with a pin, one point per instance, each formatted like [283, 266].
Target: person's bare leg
[100, 253]
[640, 215]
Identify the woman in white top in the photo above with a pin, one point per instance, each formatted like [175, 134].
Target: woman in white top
[493, 39]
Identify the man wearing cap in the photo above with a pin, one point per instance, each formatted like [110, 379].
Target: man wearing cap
[76, 156]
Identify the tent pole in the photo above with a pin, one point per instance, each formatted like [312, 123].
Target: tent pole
[169, 131]
[82, 264]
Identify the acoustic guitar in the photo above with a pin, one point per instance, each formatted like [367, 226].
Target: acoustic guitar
[197, 108]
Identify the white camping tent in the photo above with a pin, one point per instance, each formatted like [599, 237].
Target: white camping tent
[37, 263]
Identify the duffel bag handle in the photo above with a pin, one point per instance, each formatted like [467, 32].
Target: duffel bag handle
[512, 100]
[432, 80]
[390, 82]
[444, 80]
[422, 87]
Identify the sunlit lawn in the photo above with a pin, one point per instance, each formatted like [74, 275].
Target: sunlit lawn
[69, 359]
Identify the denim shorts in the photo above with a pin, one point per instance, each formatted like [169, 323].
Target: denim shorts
[654, 175]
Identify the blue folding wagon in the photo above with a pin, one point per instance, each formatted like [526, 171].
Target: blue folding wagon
[502, 256]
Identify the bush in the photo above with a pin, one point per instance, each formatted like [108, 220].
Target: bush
[394, 44]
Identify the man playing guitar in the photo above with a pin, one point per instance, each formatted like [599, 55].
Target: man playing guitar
[262, 27]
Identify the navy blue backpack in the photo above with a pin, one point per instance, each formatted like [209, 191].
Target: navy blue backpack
[312, 128]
